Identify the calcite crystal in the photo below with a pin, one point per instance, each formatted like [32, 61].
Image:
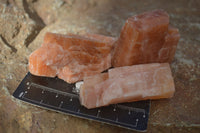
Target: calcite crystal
[127, 84]
[146, 38]
[167, 52]
[71, 57]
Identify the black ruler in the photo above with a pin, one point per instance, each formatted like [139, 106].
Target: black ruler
[56, 94]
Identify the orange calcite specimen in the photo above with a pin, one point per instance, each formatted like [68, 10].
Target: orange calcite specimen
[71, 57]
[146, 38]
[128, 84]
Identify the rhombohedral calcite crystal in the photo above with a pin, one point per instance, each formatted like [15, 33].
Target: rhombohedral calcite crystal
[146, 38]
[71, 57]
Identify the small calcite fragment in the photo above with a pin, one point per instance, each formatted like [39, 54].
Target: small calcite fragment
[71, 57]
[145, 38]
[168, 50]
[128, 84]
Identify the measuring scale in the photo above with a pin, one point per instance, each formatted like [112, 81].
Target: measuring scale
[56, 94]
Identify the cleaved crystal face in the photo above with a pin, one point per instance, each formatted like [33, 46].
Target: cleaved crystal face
[146, 38]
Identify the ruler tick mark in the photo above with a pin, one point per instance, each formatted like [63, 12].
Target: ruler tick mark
[61, 103]
[27, 83]
[98, 112]
[41, 101]
[21, 94]
[136, 122]
[129, 112]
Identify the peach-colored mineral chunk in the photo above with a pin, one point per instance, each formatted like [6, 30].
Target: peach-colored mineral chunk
[127, 84]
[167, 52]
[145, 39]
[71, 57]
